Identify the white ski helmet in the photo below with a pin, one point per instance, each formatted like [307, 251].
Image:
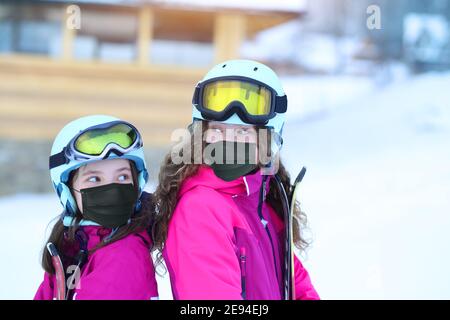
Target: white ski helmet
[245, 71]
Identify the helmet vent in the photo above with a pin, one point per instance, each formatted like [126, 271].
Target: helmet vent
[224, 65]
[255, 68]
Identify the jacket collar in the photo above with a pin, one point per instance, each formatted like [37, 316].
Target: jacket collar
[205, 176]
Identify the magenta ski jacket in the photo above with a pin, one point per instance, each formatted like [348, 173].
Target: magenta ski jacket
[120, 270]
[219, 248]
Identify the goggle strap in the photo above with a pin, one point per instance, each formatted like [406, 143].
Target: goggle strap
[195, 97]
[58, 159]
[281, 104]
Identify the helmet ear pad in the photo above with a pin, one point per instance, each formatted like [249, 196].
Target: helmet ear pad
[272, 149]
[274, 140]
[68, 200]
[269, 146]
[136, 177]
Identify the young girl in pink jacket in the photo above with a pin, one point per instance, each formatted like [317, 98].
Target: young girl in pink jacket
[99, 248]
[223, 225]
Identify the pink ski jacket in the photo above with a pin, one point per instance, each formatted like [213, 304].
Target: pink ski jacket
[218, 247]
[120, 270]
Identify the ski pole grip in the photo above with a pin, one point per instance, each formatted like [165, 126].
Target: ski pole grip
[300, 176]
[52, 249]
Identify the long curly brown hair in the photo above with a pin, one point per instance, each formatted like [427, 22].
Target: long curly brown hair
[172, 175]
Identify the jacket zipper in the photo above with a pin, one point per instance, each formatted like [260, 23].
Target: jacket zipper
[262, 198]
[243, 263]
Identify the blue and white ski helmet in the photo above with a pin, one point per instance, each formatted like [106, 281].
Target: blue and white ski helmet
[60, 175]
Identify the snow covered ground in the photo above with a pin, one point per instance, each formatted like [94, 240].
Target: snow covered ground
[25, 220]
[376, 193]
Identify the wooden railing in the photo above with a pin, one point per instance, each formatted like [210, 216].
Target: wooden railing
[38, 96]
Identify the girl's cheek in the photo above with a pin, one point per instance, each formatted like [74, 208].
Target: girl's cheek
[78, 201]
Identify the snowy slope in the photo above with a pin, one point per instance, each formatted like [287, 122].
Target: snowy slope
[377, 192]
[314, 97]
[26, 221]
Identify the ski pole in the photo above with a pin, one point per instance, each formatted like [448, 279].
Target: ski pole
[59, 272]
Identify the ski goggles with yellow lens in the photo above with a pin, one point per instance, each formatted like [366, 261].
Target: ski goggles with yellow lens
[254, 102]
[98, 142]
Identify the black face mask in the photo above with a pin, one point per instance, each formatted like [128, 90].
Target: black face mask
[240, 163]
[109, 205]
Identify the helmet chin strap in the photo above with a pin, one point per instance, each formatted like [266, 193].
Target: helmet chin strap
[68, 221]
[275, 147]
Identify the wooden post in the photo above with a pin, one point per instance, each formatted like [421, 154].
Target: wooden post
[69, 33]
[145, 35]
[229, 33]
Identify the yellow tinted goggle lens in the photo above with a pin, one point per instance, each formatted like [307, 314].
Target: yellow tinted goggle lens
[256, 99]
[94, 141]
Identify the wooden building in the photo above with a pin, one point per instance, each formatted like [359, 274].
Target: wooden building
[43, 85]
